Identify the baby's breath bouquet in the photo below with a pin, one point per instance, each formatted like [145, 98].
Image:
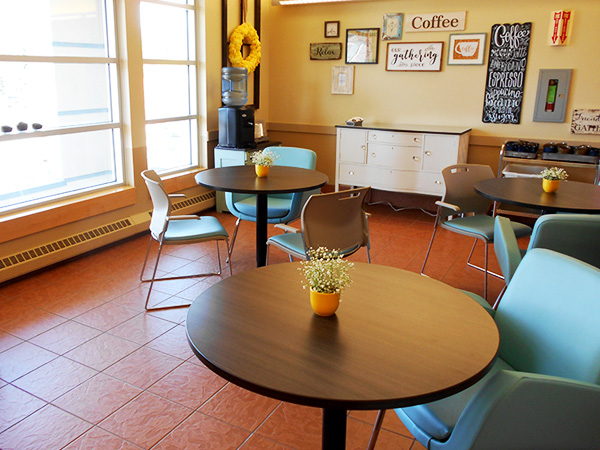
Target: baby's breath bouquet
[325, 271]
[554, 173]
[264, 158]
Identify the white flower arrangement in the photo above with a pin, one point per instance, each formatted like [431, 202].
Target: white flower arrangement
[325, 271]
[264, 158]
[554, 173]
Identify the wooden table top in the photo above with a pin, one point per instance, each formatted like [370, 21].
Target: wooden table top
[397, 339]
[243, 179]
[572, 196]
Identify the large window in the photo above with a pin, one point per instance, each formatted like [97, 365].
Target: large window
[169, 53]
[58, 68]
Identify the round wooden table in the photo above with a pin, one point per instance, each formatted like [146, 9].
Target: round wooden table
[243, 179]
[572, 196]
[398, 339]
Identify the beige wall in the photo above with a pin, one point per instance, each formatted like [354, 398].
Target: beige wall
[300, 88]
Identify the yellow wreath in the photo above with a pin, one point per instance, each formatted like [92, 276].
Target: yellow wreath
[244, 33]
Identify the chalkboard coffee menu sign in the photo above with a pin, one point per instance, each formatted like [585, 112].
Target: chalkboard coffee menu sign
[507, 63]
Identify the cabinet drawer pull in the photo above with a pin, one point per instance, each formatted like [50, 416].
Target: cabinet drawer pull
[351, 172]
[363, 147]
[416, 140]
[373, 155]
[438, 182]
[374, 136]
[427, 153]
[416, 158]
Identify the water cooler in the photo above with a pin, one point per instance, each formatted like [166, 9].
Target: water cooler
[236, 121]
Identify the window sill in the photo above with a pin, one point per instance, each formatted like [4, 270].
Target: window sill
[34, 220]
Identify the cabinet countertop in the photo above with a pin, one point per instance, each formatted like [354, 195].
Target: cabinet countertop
[433, 129]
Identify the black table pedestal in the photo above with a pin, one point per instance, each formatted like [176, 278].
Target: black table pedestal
[334, 429]
[261, 230]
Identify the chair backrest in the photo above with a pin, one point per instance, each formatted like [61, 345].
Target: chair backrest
[336, 220]
[459, 181]
[295, 157]
[160, 202]
[576, 235]
[506, 247]
[549, 317]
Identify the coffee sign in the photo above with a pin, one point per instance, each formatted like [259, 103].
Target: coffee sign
[447, 21]
[507, 64]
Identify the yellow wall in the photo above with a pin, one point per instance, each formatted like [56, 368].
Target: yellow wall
[453, 96]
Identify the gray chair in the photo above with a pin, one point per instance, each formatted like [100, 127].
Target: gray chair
[184, 229]
[464, 211]
[543, 391]
[336, 220]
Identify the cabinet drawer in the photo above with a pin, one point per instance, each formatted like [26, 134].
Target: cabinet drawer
[393, 137]
[392, 180]
[394, 156]
[353, 175]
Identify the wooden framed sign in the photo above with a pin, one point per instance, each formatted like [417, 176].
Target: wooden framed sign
[507, 63]
[325, 51]
[414, 56]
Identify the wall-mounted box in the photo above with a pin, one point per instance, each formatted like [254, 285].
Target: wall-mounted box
[552, 94]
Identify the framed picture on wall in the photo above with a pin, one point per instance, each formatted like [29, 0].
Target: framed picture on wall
[342, 80]
[414, 56]
[362, 46]
[392, 26]
[466, 49]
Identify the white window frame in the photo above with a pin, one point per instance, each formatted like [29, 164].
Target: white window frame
[74, 129]
[191, 62]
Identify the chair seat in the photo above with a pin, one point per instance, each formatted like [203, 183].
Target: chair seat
[437, 419]
[292, 243]
[277, 206]
[207, 228]
[481, 226]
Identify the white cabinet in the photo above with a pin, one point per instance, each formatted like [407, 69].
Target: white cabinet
[398, 158]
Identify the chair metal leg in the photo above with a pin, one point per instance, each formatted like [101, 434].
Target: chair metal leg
[235, 232]
[179, 277]
[376, 429]
[146, 259]
[474, 266]
[435, 226]
[497, 302]
[153, 274]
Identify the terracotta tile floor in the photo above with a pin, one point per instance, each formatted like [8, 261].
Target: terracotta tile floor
[82, 366]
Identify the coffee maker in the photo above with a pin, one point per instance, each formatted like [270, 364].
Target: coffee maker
[236, 121]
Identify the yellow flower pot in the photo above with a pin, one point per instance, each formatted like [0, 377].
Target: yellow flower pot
[261, 171]
[550, 185]
[324, 304]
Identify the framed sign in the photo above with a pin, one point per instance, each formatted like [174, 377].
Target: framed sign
[507, 63]
[446, 21]
[332, 29]
[585, 121]
[325, 51]
[362, 46]
[392, 27]
[342, 80]
[466, 49]
[414, 56]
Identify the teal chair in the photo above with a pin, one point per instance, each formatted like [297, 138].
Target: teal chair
[464, 211]
[281, 208]
[576, 235]
[167, 229]
[543, 391]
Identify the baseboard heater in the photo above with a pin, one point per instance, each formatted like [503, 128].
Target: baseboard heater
[49, 253]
